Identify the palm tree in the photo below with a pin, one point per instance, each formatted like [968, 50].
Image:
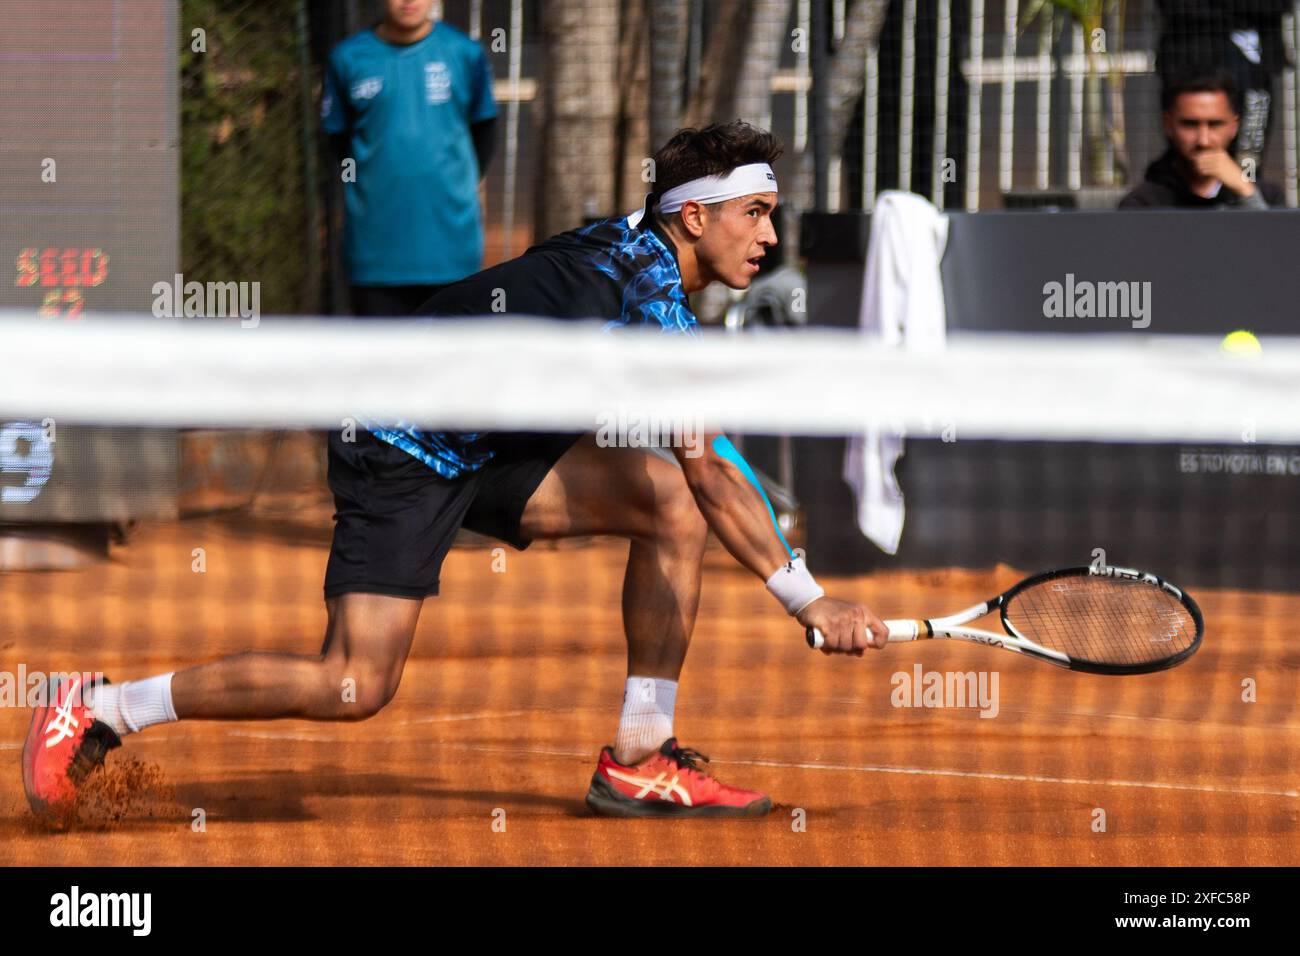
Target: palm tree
[1102, 24]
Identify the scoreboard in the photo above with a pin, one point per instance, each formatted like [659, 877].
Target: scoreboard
[89, 221]
[63, 275]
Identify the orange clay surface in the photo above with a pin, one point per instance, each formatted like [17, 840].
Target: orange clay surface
[515, 680]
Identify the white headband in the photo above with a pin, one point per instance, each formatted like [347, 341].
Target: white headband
[741, 181]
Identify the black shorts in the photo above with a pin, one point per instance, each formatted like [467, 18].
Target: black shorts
[395, 518]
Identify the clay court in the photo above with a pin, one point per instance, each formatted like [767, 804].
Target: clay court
[514, 683]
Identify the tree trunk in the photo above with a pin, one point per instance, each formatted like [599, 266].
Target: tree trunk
[744, 51]
[635, 144]
[1094, 126]
[714, 99]
[767, 39]
[668, 33]
[579, 114]
[1118, 132]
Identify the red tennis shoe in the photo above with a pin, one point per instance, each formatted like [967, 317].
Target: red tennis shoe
[65, 744]
[668, 784]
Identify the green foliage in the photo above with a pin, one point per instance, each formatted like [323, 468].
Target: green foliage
[1088, 13]
[1091, 17]
[243, 208]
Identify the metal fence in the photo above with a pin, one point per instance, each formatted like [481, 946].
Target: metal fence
[249, 175]
[975, 104]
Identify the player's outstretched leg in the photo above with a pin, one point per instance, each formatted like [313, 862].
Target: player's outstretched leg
[635, 494]
[355, 674]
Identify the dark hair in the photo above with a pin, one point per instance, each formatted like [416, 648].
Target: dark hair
[1200, 81]
[720, 148]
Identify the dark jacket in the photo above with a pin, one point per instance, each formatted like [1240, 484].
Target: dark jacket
[1195, 34]
[1164, 187]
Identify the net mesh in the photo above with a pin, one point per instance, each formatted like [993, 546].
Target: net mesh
[515, 671]
[990, 104]
[165, 493]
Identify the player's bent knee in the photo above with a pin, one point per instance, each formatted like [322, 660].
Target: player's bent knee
[372, 695]
[356, 689]
[367, 705]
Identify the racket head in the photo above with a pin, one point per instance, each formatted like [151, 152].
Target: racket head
[1107, 620]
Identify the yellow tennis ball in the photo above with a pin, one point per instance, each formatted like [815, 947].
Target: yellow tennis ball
[1240, 342]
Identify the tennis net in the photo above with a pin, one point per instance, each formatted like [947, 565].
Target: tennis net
[166, 503]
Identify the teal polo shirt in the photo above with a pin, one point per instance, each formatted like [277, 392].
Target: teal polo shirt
[413, 212]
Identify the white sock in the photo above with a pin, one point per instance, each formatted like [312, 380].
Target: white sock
[102, 700]
[135, 705]
[647, 718]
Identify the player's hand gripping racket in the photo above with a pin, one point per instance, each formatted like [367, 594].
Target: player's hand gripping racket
[1102, 620]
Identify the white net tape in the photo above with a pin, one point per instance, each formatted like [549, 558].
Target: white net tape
[520, 374]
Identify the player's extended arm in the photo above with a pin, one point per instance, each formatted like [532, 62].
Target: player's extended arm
[734, 504]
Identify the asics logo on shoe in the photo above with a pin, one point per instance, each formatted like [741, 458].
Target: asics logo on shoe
[64, 725]
[647, 786]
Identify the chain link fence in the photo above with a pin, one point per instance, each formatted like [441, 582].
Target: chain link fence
[250, 183]
[252, 210]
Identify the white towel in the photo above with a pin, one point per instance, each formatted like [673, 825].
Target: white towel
[902, 305]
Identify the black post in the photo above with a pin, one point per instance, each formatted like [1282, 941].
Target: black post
[820, 44]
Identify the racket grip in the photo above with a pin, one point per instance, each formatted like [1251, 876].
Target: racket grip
[906, 630]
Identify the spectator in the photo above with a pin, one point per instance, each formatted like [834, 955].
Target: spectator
[1197, 171]
[410, 101]
[1243, 37]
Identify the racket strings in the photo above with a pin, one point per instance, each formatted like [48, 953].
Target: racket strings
[1103, 620]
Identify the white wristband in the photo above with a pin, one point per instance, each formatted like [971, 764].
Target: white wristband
[794, 587]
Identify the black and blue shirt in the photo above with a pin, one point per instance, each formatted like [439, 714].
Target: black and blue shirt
[624, 271]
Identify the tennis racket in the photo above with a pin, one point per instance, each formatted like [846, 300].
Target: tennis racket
[1102, 620]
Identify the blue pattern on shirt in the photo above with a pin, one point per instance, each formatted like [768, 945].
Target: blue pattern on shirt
[651, 295]
[654, 293]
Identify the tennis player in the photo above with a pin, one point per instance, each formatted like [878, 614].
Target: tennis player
[401, 494]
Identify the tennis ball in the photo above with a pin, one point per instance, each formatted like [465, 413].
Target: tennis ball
[1240, 342]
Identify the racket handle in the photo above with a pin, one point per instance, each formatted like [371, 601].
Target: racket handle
[898, 631]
